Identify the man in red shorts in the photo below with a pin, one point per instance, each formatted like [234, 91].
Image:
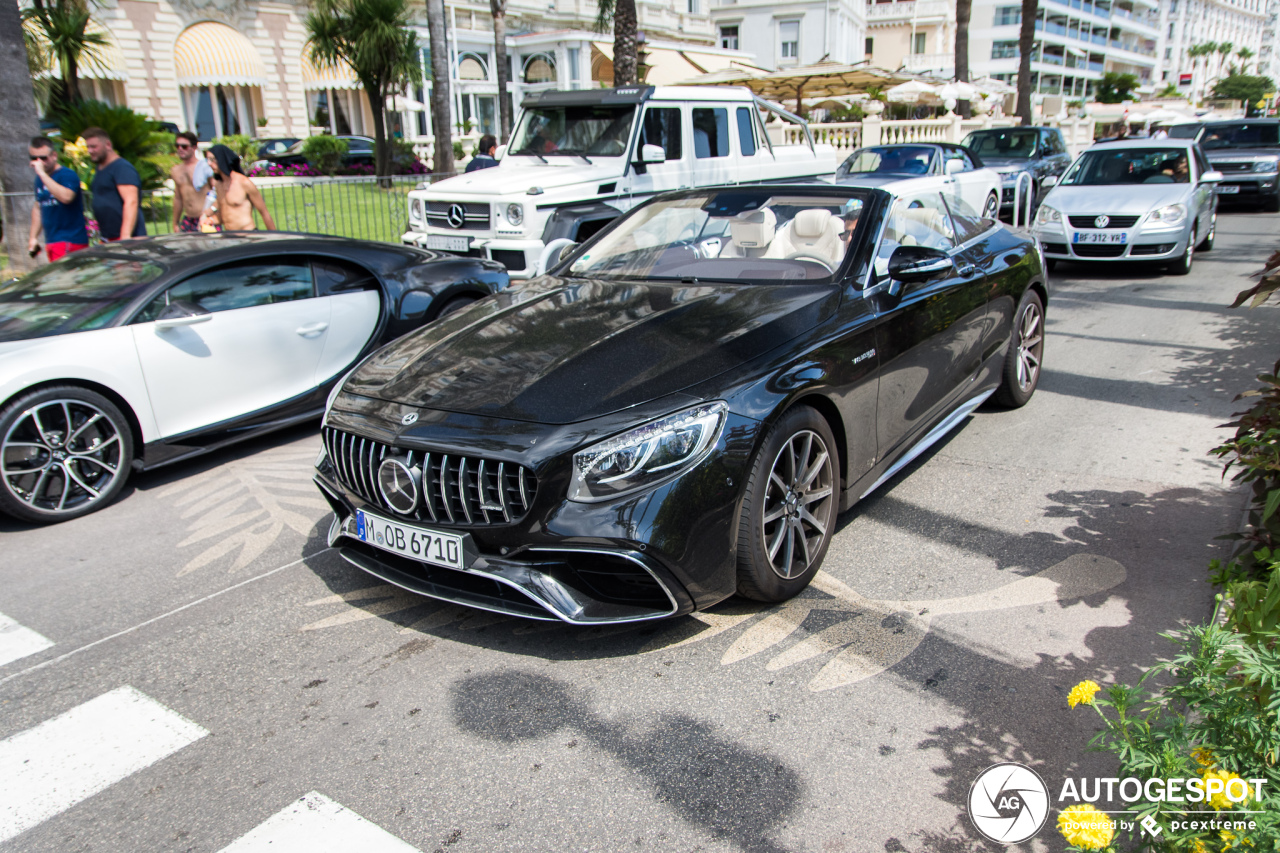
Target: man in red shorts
[59, 208]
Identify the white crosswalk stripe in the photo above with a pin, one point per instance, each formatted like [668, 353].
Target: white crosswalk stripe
[317, 824]
[18, 642]
[47, 769]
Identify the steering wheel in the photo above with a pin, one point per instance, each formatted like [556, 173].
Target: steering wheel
[806, 256]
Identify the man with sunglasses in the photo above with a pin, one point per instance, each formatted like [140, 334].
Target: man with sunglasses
[59, 208]
[191, 178]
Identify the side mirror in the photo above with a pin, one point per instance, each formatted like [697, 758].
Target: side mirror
[918, 263]
[1211, 177]
[652, 154]
[954, 166]
[181, 313]
[1049, 181]
[499, 152]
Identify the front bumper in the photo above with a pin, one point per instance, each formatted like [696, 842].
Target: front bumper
[1249, 189]
[1057, 242]
[519, 255]
[652, 555]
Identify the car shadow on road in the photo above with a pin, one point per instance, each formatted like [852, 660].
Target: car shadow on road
[727, 790]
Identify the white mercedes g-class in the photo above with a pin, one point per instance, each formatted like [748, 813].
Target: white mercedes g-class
[577, 159]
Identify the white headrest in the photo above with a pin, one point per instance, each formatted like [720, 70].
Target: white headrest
[811, 224]
[753, 230]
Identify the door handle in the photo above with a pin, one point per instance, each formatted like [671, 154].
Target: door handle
[312, 329]
[966, 270]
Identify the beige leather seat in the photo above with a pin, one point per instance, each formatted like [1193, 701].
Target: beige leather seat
[813, 232]
[751, 234]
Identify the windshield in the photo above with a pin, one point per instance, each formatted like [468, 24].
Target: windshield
[77, 294]
[889, 160]
[1130, 166]
[1019, 144]
[741, 236]
[552, 131]
[1183, 131]
[1241, 135]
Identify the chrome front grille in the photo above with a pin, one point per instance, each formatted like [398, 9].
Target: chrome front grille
[1232, 167]
[475, 215]
[461, 491]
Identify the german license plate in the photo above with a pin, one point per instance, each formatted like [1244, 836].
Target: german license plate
[449, 244]
[417, 543]
[1099, 237]
[1227, 189]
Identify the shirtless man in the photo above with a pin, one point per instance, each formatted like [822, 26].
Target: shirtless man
[189, 198]
[237, 197]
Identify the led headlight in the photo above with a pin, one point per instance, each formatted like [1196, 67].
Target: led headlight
[515, 214]
[1266, 166]
[647, 455]
[415, 209]
[1047, 214]
[1169, 215]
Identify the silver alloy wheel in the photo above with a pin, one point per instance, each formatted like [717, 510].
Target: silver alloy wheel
[1191, 248]
[1030, 345]
[992, 209]
[797, 504]
[60, 455]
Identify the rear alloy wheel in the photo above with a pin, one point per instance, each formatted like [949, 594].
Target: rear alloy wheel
[64, 452]
[992, 208]
[1182, 266]
[1026, 353]
[789, 509]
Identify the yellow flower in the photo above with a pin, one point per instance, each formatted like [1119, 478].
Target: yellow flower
[1229, 838]
[1203, 756]
[1220, 800]
[1199, 848]
[1082, 693]
[1084, 826]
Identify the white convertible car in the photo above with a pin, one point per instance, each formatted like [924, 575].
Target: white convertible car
[134, 355]
[915, 167]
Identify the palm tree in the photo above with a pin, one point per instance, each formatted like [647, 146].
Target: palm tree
[1026, 46]
[1245, 54]
[499, 10]
[964, 10]
[64, 26]
[1224, 50]
[626, 44]
[19, 125]
[441, 120]
[375, 39]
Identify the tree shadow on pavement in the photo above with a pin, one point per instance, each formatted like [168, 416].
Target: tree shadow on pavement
[722, 788]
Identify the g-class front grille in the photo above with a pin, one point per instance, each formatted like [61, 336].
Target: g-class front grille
[460, 491]
[464, 215]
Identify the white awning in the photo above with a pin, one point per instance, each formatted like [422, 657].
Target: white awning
[669, 65]
[211, 54]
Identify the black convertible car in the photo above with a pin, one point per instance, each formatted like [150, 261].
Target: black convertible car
[137, 354]
[681, 408]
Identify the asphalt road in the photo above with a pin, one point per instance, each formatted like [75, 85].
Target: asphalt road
[234, 665]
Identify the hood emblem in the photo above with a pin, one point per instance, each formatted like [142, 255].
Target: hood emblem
[457, 216]
[398, 485]
[410, 418]
[1102, 221]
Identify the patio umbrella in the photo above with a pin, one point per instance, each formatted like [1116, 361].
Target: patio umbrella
[913, 92]
[989, 86]
[401, 104]
[820, 80]
[1164, 116]
[957, 91]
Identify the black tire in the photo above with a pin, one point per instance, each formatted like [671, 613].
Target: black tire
[457, 303]
[1182, 266]
[992, 208]
[1206, 245]
[806, 510]
[1023, 361]
[1050, 264]
[65, 452]
[1272, 205]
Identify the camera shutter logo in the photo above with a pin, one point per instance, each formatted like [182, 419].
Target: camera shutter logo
[398, 485]
[1009, 803]
[457, 215]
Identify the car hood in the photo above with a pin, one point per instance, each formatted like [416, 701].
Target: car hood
[1228, 154]
[1007, 164]
[518, 176]
[566, 350]
[1130, 199]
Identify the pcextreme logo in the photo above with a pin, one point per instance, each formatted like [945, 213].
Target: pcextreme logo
[1009, 803]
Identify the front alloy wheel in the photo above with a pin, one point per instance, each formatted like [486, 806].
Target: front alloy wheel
[64, 452]
[1183, 265]
[789, 510]
[992, 208]
[1026, 353]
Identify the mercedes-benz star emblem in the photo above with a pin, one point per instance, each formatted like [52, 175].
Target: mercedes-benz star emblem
[410, 418]
[1009, 803]
[1100, 222]
[457, 216]
[398, 485]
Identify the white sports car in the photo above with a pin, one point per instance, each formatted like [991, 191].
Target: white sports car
[914, 167]
[134, 355]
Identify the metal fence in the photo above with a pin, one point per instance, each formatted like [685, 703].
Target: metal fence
[366, 208]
